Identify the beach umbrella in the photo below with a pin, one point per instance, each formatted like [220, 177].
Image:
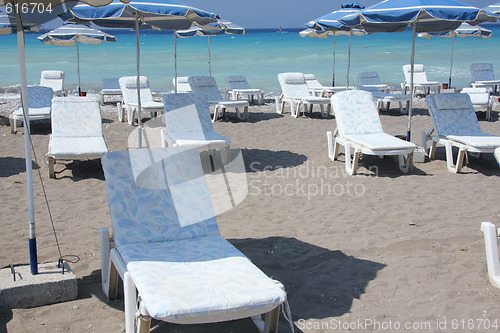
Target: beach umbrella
[213, 29]
[421, 16]
[463, 31]
[332, 26]
[70, 34]
[157, 14]
[33, 13]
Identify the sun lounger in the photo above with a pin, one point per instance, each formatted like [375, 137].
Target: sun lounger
[387, 98]
[483, 76]
[188, 124]
[491, 238]
[110, 87]
[76, 131]
[207, 87]
[359, 128]
[420, 81]
[167, 248]
[370, 81]
[296, 93]
[128, 86]
[182, 84]
[39, 106]
[455, 125]
[481, 99]
[317, 89]
[54, 80]
[237, 86]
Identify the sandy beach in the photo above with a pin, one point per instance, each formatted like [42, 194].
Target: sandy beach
[379, 251]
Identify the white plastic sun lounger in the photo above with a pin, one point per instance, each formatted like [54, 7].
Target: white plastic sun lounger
[483, 76]
[53, 79]
[359, 128]
[387, 98]
[420, 81]
[128, 86]
[237, 86]
[317, 89]
[491, 242]
[110, 87]
[39, 106]
[296, 93]
[207, 87]
[182, 84]
[481, 99]
[188, 124]
[370, 81]
[76, 131]
[455, 125]
[167, 248]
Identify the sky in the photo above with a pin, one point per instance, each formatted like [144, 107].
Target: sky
[284, 13]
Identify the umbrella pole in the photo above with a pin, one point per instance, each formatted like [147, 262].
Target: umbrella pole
[334, 46]
[78, 67]
[209, 58]
[138, 54]
[451, 65]
[27, 144]
[175, 60]
[349, 59]
[412, 64]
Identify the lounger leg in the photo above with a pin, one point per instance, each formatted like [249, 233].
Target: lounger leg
[331, 149]
[121, 114]
[405, 166]
[105, 249]
[432, 150]
[261, 99]
[143, 324]
[351, 166]
[449, 158]
[216, 111]
[51, 162]
[13, 128]
[245, 112]
[101, 98]
[271, 325]
[492, 259]
[130, 302]
[322, 107]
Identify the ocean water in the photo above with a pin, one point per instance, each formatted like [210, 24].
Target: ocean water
[259, 55]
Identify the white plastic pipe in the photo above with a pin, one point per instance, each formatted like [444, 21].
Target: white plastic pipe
[412, 67]
[138, 54]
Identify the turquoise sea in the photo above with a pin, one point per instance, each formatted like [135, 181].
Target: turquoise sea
[259, 55]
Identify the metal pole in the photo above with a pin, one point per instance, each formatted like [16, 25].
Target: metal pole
[349, 59]
[78, 62]
[175, 60]
[412, 67]
[138, 54]
[334, 47]
[451, 65]
[209, 58]
[27, 143]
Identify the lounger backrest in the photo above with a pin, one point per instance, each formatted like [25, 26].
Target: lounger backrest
[293, 85]
[419, 75]
[206, 86]
[477, 95]
[187, 112]
[356, 113]
[157, 195]
[39, 97]
[128, 85]
[453, 114]
[311, 81]
[182, 84]
[482, 72]
[76, 117]
[52, 79]
[368, 78]
[237, 82]
[110, 83]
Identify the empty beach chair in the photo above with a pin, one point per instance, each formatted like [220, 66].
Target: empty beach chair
[370, 81]
[76, 131]
[455, 125]
[317, 89]
[39, 106]
[53, 79]
[188, 124]
[420, 82]
[207, 88]
[296, 93]
[359, 128]
[167, 248]
[110, 87]
[182, 84]
[387, 98]
[128, 86]
[483, 76]
[237, 86]
[481, 99]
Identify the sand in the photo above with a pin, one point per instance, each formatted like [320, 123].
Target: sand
[380, 251]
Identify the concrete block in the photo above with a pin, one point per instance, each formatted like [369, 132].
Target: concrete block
[49, 286]
[419, 155]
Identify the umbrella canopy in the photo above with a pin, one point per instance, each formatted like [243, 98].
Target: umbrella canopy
[212, 29]
[6, 26]
[463, 31]
[71, 34]
[158, 14]
[329, 25]
[421, 16]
